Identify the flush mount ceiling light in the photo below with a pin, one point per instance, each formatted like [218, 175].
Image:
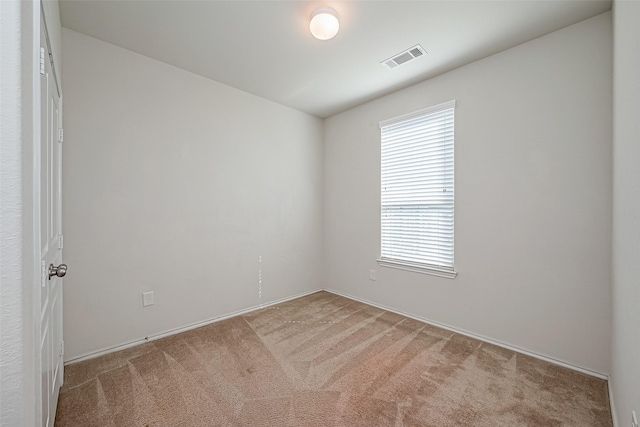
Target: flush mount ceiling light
[324, 23]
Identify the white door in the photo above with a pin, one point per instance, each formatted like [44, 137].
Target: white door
[51, 345]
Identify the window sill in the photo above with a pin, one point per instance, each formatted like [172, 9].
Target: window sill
[418, 268]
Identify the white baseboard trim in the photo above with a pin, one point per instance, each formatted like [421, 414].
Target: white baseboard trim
[157, 336]
[478, 337]
[614, 414]
[174, 331]
[102, 352]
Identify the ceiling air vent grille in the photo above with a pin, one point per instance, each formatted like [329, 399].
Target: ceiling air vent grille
[402, 57]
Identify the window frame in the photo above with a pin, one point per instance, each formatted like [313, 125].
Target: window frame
[424, 268]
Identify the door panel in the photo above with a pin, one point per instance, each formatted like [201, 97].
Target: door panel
[50, 157]
[44, 378]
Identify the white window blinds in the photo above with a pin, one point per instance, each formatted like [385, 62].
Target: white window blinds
[417, 187]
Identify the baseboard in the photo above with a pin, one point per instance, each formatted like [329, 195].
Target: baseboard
[157, 336]
[614, 414]
[479, 337]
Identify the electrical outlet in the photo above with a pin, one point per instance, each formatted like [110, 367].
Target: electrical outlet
[147, 299]
[372, 275]
[634, 419]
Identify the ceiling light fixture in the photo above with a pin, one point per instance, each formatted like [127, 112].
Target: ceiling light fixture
[324, 23]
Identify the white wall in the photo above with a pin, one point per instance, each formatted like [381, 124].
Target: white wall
[12, 297]
[626, 211]
[533, 198]
[177, 184]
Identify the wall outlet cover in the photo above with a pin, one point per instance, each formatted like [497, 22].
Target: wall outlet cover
[147, 299]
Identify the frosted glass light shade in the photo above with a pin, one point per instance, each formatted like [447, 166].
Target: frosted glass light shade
[324, 23]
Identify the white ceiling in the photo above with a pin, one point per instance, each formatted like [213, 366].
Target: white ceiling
[265, 48]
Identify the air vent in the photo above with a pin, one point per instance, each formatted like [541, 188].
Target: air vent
[403, 57]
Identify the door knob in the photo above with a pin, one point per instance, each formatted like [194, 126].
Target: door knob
[59, 271]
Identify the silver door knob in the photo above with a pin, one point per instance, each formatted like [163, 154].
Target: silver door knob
[59, 271]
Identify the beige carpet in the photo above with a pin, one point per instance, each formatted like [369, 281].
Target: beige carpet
[324, 360]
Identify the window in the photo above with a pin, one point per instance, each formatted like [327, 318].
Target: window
[417, 191]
